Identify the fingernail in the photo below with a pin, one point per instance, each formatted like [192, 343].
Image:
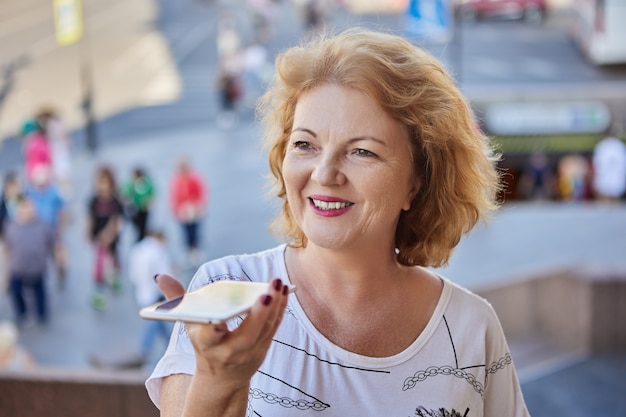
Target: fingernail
[155, 277]
[285, 290]
[220, 328]
[267, 299]
[277, 283]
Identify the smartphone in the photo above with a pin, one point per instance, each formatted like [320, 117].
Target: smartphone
[213, 303]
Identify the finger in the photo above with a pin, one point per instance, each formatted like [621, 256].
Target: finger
[262, 322]
[280, 298]
[169, 286]
[208, 335]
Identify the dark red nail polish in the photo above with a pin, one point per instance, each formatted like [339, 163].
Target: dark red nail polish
[267, 299]
[285, 290]
[219, 328]
[277, 284]
[155, 277]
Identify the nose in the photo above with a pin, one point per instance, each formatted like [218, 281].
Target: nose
[328, 171]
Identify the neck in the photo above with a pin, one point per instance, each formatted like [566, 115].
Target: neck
[348, 297]
[343, 275]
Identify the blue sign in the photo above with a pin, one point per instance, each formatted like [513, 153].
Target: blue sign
[430, 20]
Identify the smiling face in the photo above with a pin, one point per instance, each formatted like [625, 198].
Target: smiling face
[348, 169]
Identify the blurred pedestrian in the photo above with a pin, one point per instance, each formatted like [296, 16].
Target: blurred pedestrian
[37, 151]
[227, 39]
[609, 169]
[138, 194]
[147, 258]
[263, 14]
[29, 243]
[536, 181]
[230, 85]
[60, 146]
[13, 356]
[50, 207]
[573, 177]
[103, 227]
[189, 197]
[230, 68]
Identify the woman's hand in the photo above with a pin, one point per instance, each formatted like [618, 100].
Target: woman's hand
[226, 358]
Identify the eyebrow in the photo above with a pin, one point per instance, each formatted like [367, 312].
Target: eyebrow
[352, 140]
[305, 130]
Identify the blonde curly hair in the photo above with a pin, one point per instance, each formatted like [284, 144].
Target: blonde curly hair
[453, 159]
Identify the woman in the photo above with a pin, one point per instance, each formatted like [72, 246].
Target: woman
[381, 170]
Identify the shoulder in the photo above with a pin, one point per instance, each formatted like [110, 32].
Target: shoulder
[471, 322]
[257, 267]
[471, 310]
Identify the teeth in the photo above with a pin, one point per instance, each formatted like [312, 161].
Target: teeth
[332, 205]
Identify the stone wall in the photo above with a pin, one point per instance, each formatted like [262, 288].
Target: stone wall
[580, 310]
[65, 393]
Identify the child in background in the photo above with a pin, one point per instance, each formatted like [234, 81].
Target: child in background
[148, 258]
[103, 228]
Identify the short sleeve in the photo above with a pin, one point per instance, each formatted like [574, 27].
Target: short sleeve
[178, 359]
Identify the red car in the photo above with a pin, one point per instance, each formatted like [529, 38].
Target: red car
[533, 11]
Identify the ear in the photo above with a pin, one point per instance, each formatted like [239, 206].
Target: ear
[416, 186]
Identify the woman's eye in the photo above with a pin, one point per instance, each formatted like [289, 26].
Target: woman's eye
[364, 152]
[302, 144]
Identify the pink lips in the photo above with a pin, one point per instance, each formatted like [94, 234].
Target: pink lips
[329, 212]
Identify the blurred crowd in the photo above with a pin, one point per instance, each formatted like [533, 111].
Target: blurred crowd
[600, 175]
[34, 218]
